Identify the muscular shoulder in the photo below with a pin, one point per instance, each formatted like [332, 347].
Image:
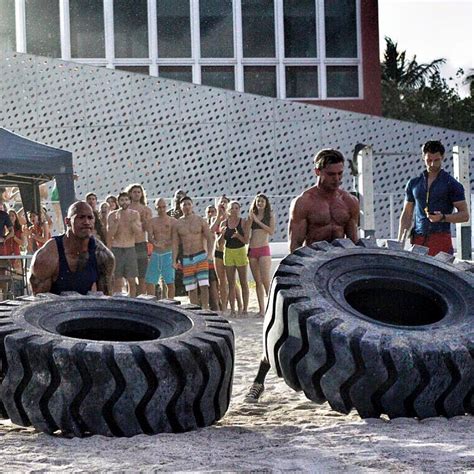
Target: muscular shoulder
[200, 221]
[350, 199]
[45, 260]
[302, 203]
[105, 258]
[413, 182]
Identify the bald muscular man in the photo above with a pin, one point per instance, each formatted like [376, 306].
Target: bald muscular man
[74, 261]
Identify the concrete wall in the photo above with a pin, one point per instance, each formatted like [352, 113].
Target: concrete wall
[124, 128]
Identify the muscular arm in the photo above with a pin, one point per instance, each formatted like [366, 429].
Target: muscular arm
[405, 220]
[207, 235]
[112, 226]
[145, 218]
[462, 214]
[351, 229]
[298, 224]
[175, 239]
[44, 267]
[150, 232]
[105, 266]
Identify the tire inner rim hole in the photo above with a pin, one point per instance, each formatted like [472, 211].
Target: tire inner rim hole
[108, 329]
[396, 301]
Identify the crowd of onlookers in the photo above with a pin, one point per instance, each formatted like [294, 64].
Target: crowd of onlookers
[170, 251]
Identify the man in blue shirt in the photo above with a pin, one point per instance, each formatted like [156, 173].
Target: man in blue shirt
[431, 198]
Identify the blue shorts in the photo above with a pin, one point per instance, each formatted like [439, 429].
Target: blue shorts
[160, 265]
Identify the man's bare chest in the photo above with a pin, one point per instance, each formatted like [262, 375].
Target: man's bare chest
[189, 228]
[329, 212]
[162, 227]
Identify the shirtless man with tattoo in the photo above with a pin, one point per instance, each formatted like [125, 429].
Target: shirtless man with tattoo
[137, 197]
[160, 266]
[123, 227]
[322, 212]
[74, 261]
[191, 231]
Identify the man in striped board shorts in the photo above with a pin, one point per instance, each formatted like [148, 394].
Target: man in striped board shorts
[191, 231]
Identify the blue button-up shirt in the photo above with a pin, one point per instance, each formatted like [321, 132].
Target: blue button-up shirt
[444, 191]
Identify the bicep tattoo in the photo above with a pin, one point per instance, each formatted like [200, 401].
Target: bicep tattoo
[105, 265]
[40, 285]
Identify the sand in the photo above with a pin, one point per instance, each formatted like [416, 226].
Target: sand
[283, 432]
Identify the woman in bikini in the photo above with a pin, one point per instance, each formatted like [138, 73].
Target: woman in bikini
[261, 224]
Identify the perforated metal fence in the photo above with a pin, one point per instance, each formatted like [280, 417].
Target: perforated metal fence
[124, 128]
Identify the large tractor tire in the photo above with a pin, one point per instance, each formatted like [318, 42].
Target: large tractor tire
[113, 366]
[381, 330]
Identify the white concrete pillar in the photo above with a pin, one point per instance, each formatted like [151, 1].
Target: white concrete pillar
[365, 161]
[461, 173]
[65, 29]
[20, 26]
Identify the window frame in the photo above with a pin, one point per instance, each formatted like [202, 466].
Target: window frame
[196, 62]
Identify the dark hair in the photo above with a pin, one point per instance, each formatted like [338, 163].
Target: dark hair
[433, 146]
[123, 193]
[37, 214]
[114, 199]
[16, 225]
[131, 187]
[185, 198]
[91, 194]
[267, 214]
[327, 156]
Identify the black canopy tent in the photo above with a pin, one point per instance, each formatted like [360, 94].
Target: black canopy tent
[27, 164]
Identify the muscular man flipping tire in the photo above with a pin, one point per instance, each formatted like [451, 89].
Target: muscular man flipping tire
[322, 212]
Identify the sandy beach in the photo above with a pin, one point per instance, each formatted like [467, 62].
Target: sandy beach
[283, 432]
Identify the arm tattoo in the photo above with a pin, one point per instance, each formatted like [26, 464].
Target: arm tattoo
[105, 265]
[40, 285]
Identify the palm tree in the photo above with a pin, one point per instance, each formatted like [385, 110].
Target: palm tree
[400, 73]
[469, 79]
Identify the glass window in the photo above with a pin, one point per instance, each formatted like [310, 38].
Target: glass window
[174, 29]
[87, 28]
[135, 69]
[217, 40]
[218, 76]
[7, 26]
[260, 80]
[341, 28]
[342, 81]
[177, 73]
[300, 28]
[42, 28]
[258, 29]
[131, 29]
[301, 81]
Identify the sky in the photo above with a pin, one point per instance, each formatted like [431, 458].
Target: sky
[431, 29]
